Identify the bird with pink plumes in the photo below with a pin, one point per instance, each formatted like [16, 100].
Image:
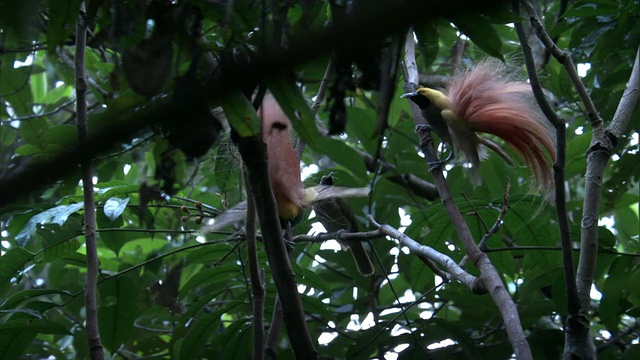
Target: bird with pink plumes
[485, 100]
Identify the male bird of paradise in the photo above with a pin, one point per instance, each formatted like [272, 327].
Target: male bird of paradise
[485, 100]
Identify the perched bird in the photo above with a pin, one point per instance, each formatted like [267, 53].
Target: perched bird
[485, 100]
[284, 174]
[335, 215]
[284, 165]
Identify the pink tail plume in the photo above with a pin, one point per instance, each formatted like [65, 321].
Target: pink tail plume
[490, 103]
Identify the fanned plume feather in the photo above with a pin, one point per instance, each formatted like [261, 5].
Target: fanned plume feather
[489, 102]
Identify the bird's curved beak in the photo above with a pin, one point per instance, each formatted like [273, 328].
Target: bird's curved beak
[409, 94]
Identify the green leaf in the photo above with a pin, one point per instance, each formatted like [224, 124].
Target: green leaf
[13, 83]
[55, 215]
[201, 331]
[38, 83]
[66, 135]
[480, 31]
[422, 277]
[15, 335]
[62, 19]
[240, 114]
[209, 276]
[41, 326]
[117, 311]
[13, 345]
[228, 173]
[26, 295]
[114, 207]
[293, 103]
[427, 34]
[59, 241]
[57, 94]
[343, 155]
[11, 263]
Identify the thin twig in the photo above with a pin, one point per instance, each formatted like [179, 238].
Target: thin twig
[496, 225]
[36, 116]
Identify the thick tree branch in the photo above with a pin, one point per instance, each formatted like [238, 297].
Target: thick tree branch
[93, 334]
[253, 152]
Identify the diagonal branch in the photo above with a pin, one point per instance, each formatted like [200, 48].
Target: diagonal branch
[454, 271]
[253, 153]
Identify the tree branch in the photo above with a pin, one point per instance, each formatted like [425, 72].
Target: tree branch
[454, 271]
[93, 333]
[577, 322]
[257, 287]
[253, 152]
[622, 117]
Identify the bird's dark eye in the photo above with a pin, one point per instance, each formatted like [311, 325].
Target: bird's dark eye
[279, 126]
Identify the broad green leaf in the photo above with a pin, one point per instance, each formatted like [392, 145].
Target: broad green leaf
[57, 94]
[118, 310]
[228, 173]
[209, 276]
[343, 155]
[42, 326]
[422, 277]
[62, 17]
[56, 215]
[203, 328]
[27, 295]
[296, 107]
[38, 83]
[34, 150]
[427, 35]
[66, 135]
[18, 96]
[114, 207]
[480, 31]
[11, 263]
[15, 335]
[240, 114]
[59, 241]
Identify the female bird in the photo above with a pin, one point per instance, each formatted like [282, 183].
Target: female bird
[284, 165]
[485, 100]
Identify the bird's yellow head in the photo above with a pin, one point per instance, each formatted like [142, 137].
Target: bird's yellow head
[424, 97]
[438, 98]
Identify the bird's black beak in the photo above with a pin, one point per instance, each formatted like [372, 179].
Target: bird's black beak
[409, 95]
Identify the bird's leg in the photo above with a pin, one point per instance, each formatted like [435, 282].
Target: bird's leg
[288, 235]
[423, 143]
[339, 233]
